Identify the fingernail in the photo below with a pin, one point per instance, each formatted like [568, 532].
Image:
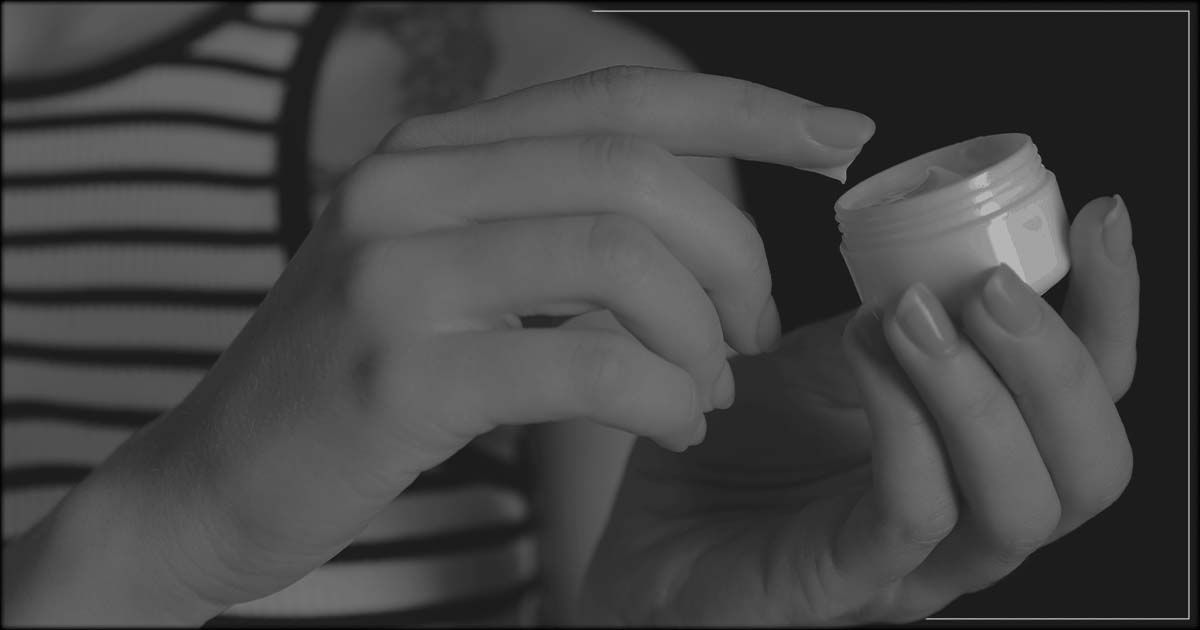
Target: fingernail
[838, 128]
[1011, 302]
[925, 322]
[838, 173]
[722, 390]
[1118, 232]
[701, 431]
[869, 335]
[768, 326]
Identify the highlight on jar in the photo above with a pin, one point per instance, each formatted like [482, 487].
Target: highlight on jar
[947, 217]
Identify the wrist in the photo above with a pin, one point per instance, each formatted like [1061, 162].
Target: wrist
[100, 558]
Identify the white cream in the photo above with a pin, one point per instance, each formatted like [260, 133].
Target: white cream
[933, 178]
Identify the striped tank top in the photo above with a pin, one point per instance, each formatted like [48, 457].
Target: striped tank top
[149, 204]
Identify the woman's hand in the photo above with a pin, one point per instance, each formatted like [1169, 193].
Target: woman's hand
[879, 480]
[393, 338]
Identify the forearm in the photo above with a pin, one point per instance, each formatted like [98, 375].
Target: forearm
[90, 562]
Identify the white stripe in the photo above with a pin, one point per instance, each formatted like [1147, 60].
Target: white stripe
[249, 44]
[292, 13]
[185, 88]
[104, 386]
[200, 147]
[25, 507]
[383, 585]
[157, 205]
[205, 329]
[30, 442]
[441, 512]
[143, 266]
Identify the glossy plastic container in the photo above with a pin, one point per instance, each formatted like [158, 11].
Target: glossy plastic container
[949, 216]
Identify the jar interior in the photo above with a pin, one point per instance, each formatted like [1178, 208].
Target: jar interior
[932, 171]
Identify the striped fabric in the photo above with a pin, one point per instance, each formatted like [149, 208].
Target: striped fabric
[148, 206]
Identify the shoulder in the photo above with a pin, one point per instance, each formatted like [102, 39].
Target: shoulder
[391, 61]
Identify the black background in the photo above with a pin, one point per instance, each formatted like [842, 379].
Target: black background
[1105, 98]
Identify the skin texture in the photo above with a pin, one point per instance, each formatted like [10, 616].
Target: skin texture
[393, 332]
[908, 478]
[407, 296]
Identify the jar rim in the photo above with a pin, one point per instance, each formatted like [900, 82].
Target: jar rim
[986, 166]
[970, 158]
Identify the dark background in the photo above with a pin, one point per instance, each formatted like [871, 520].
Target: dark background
[1105, 98]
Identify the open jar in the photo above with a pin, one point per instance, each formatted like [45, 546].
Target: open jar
[949, 216]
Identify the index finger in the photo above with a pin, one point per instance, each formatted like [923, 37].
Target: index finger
[687, 113]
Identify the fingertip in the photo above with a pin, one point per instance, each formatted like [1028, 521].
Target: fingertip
[1101, 239]
[769, 327]
[1090, 221]
[864, 333]
[838, 128]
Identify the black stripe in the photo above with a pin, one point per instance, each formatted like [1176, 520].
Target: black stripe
[165, 47]
[295, 152]
[26, 409]
[136, 176]
[452, 542]
[140, 236]
[233, 66]
[455, 611]
[135, 118]
[154, 357]
[24, 477]
[153, 296]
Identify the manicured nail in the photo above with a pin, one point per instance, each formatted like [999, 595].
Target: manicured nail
[1118, 232]
[701, 431]
[681, 443]
[925, 322]
[838, 128]
[722, 390]
[768, 326]
[838, 173]
[1011, 302]
[868, 333]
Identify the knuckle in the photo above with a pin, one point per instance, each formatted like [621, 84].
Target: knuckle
[752, 101]
[1107, 490]
[623, 248]
[924, 527]
[634, 169]
[753, 252]
[620, 91]
[599, 367]
[364, 278]
[1073, 373]
[628, 157]
[1017, 540]
[984, 404]
[932, 526]
[1122, 378]
[355, 197]
[1013, 548]
[403, 135]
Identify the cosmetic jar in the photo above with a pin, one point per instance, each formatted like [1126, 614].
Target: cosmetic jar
[948, 217]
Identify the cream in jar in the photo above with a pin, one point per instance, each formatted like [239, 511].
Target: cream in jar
[949, 216]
